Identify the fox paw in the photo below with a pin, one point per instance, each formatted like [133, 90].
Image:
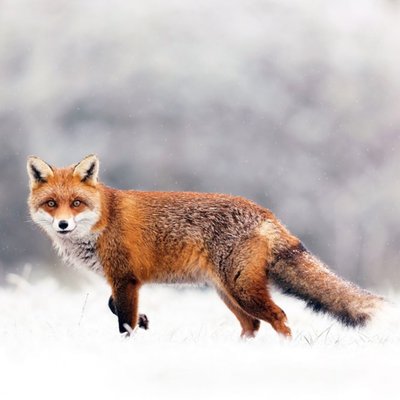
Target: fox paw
[143, 321]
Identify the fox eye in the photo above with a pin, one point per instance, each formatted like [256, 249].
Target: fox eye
[51, 203]
[76, 203]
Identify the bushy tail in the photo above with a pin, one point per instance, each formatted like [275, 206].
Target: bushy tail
[298, 273]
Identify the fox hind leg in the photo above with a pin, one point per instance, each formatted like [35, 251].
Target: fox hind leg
[253, 297]
[249, 324]
[247, 284]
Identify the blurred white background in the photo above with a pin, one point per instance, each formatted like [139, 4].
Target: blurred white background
[294, 104]
[291, 103]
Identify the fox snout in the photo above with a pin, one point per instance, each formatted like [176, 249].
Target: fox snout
[64, 225]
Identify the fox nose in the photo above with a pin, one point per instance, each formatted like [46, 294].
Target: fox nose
[63, 224]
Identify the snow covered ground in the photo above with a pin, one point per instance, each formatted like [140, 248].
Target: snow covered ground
[63, 344]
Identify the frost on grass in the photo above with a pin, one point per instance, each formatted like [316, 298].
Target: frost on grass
[62, 342]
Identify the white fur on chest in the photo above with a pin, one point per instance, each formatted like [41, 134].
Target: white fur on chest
[80, 252]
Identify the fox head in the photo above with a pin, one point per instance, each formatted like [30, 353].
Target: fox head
[65, 202]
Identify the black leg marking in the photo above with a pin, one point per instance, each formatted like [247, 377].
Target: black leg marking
[111, 305]
[143, 321]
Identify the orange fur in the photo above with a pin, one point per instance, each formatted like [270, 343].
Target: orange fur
[141, 237]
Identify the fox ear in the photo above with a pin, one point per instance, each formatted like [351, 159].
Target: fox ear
[38, 170]
[88, 169]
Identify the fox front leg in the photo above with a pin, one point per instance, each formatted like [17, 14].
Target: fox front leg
[126, 295]
[143, 321]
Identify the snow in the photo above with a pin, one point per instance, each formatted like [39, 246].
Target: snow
[56, 342]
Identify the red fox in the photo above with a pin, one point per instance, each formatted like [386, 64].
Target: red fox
[135, 237]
